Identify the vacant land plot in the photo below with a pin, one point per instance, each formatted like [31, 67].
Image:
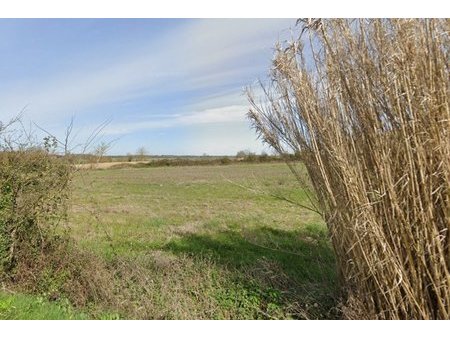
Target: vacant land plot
[208, 241]
[196, 242]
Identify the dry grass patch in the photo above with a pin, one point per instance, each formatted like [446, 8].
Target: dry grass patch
[365, 105]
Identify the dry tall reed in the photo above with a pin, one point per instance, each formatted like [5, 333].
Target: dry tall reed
[365, 103]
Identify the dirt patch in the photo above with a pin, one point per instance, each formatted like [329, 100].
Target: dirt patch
[106, 165]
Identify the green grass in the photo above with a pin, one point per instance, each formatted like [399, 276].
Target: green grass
[19, 306]
[193, 243]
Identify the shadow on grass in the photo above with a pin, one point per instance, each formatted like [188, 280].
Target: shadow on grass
[287, 273]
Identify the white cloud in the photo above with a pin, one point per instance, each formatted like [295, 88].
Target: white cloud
[213, 56]
[227, 139]
[212, 43]
[234, 96]
[215, 115]
[204, 53]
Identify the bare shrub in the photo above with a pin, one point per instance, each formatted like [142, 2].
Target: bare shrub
[141, 153]
[365, 105]
[100, 151]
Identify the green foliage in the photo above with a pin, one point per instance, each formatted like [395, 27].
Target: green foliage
[5, 208]
[26, 307]
[34, 191]
[225, 160]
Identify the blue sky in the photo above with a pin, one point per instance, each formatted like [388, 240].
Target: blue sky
[172, 86]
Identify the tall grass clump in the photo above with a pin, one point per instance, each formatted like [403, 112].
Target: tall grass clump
[365, 104]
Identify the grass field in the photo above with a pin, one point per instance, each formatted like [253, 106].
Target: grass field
[25, 307]
[206, 242]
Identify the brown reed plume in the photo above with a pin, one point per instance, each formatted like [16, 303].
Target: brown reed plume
[365, 104]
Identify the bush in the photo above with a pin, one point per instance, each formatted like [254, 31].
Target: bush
[365, 106]
[36, 253]
[225, 160]
[34, 193]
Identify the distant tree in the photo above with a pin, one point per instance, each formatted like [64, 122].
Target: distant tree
[129, 157]
[247, 155]
[242, 153]
[141, 153]
[251, 157]
[101, 150]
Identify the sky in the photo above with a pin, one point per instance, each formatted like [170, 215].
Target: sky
[173, 86]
